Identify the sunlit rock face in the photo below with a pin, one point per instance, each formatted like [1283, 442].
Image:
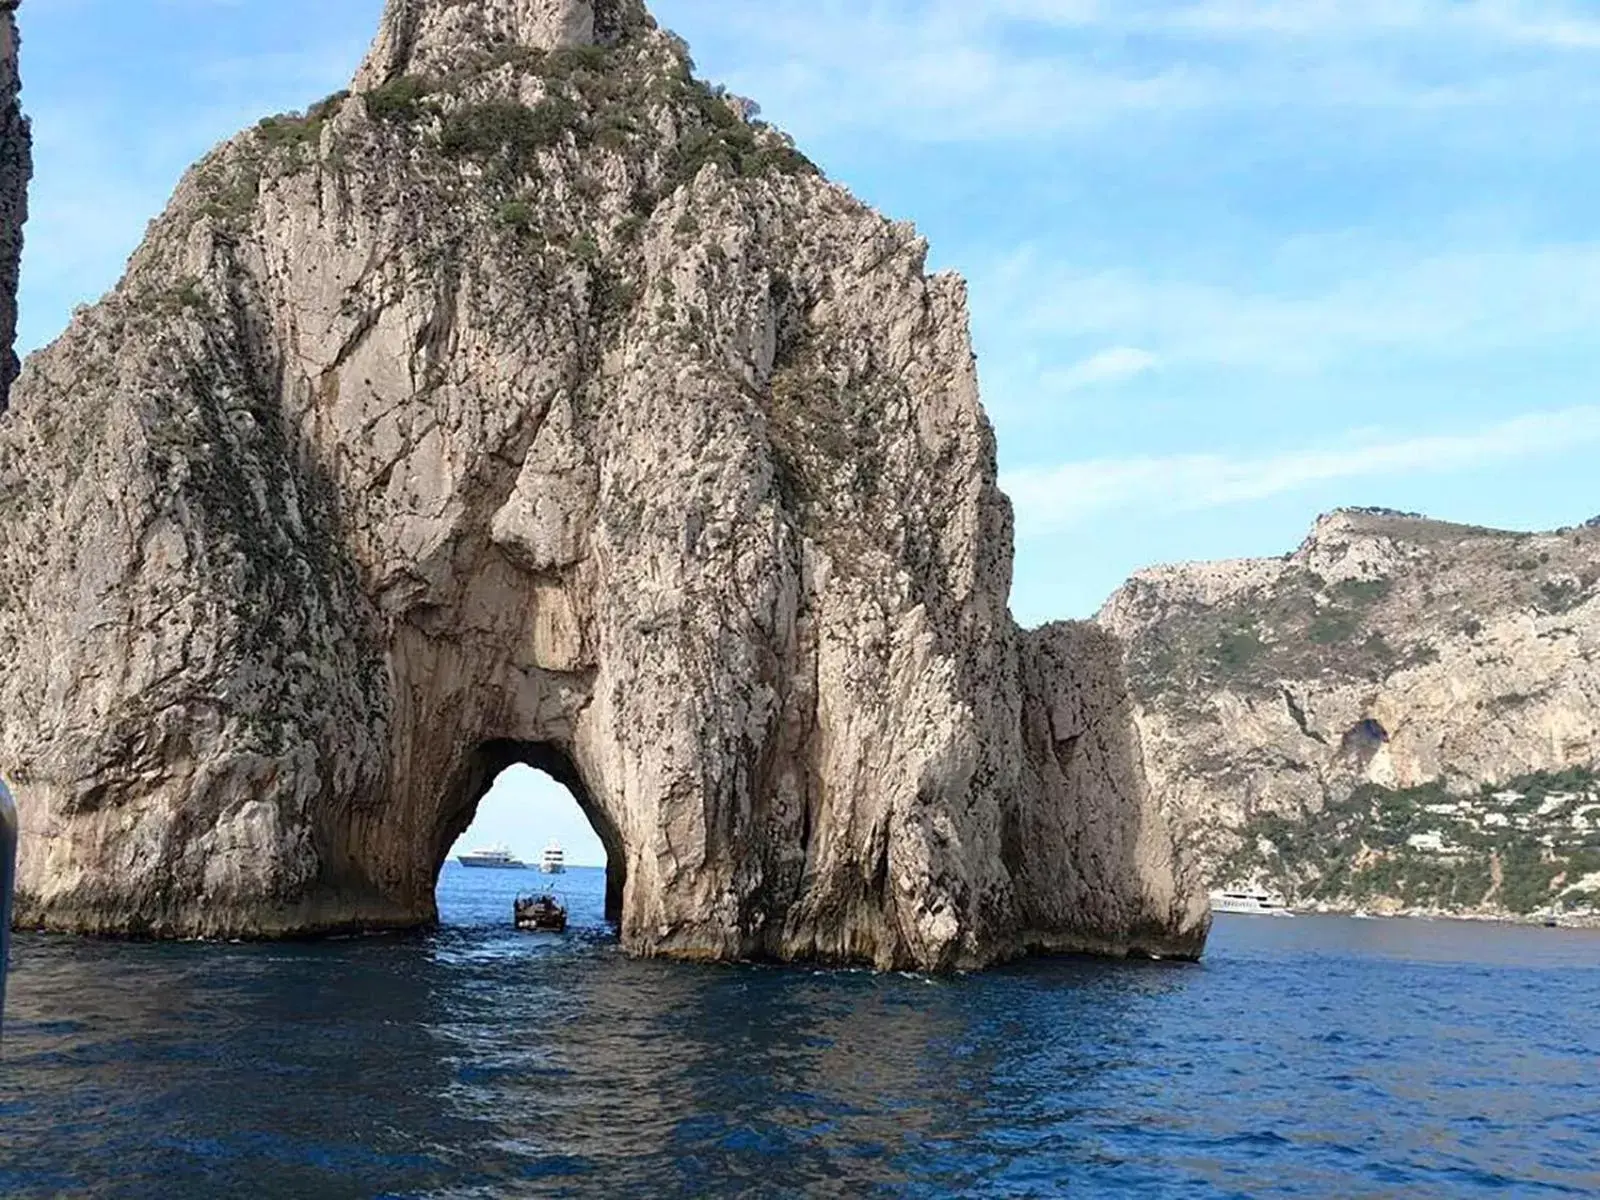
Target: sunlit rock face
[532, 404]
[16, 166]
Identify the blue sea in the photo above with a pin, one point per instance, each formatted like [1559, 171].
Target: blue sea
[1308, 1057]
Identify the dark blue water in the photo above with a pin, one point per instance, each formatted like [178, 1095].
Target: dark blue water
[1308, 1057]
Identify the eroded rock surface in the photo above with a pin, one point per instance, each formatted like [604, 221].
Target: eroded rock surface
[1388, 650]
[16, 168]
[532, 403]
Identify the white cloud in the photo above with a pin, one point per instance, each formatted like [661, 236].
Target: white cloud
[1116, 365]
[1543, 23]
[951, 70]
[1370, 302]
[933, 74]
[1052, 499]
[1547, 23]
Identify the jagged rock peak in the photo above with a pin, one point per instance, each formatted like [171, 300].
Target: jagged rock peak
[425, 37]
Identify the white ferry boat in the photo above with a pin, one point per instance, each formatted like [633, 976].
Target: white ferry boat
[499, 857]
[1253, 901]
[554, 861]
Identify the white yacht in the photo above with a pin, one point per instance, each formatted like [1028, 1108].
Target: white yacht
[1254, 901]
[499, 857]
[554, 861]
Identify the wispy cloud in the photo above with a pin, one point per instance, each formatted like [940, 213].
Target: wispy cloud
[1543, 23]
[1551, 23]
[1447, 304]
[952, 70]
[924, 74]
[1116, 365]
[1050, 500]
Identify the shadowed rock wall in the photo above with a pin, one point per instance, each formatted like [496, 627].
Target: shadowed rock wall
[16, 167]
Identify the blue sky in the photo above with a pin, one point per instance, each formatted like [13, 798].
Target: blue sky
[1233, 262]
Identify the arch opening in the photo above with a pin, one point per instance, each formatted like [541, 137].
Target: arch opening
[524, 796]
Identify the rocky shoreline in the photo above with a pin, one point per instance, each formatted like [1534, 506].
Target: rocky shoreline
[1582, 920]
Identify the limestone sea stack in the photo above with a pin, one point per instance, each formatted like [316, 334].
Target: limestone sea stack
[16, 167]
[533, 402]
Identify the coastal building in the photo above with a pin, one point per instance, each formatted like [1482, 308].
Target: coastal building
[1432, 842]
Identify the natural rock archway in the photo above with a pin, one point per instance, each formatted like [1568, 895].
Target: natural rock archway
[533, 404]
[485, 769]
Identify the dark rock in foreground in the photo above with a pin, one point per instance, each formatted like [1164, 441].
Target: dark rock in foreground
[16, 168]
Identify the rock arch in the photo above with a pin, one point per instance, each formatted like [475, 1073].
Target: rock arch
[485, 765]
[358, 483]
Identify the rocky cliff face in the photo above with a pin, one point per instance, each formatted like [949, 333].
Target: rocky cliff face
[16, 167]
[533, 403]
[1388, 653]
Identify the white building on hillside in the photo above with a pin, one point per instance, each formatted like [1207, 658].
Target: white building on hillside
[1431, 842]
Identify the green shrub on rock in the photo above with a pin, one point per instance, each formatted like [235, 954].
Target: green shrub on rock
[517, 214]
[399, 100]
[501, 127]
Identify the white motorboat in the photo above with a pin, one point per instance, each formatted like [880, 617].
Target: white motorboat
[554, 860]
[497, 857]
[1249, 901]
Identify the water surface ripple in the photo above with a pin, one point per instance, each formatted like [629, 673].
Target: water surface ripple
[1309, 1057]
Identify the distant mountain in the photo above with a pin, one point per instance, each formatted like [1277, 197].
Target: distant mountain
[1402, 713]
